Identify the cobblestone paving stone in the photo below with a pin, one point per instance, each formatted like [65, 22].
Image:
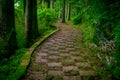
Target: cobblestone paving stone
[61, 57]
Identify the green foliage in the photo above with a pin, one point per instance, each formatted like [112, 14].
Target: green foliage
[88, 33]
[46, 20]
[47, 16]
[88, 13]
[100, 22]
[18, 4]
[77, 19]
[110, 18]
[19, 23]
[117, 36]
[20, 28]
[57, 8]
[114, 68]
[8, 66]
[4, 37]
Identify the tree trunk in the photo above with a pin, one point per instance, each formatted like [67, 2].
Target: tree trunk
[66, 9]
[69, 12]
[42, 3]
[1, 26]
[48, 3]
[63, 12]
[52, 4]
[0, 10]
[24, 5]
[35, 23]
[31, 21]
[7, 23]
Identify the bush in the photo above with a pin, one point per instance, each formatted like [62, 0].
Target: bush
[115, 68]
[47, 16]
[46, 19]
[8, 66]
[77, 19]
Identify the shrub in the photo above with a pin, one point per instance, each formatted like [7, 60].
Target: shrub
[77, 19]
[47, 16]
[115, 68]
[46, 19]
[9, 65]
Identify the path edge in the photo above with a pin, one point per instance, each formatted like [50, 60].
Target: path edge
[22, 68]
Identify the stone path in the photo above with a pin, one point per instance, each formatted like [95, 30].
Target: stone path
[61, 57]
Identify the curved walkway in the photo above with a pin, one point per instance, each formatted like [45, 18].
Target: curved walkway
[61, 57]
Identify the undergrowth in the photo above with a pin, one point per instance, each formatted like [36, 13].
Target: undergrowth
[9, 66]
[46, 20]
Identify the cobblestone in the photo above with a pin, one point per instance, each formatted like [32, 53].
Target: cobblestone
[61, 56]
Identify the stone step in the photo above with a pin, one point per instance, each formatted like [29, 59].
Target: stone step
[55, 73]
[55, 64]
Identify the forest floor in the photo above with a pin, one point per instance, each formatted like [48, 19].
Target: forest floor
[61, 57]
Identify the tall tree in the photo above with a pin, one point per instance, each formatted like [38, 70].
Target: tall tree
[69, 11]
[63, 12]
[7, 24]
[31, 21]
[52, 4]
[0, 9]
[48, 3]
[66, 9]
[24, 4]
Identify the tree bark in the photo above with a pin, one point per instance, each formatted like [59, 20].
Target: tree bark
[8, 25]
[31, 21]
[69, 12]
[0, 10]
[63, 12]
[52, 4]
[35, 23]
[24, 5]
[48, 3]
[66, 10]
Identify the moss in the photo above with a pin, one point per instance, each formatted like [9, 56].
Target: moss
[72, 73]
[76, 54]
[50, 77]
[58, 78]
[67, 63]
[22, 67]
[54, 68]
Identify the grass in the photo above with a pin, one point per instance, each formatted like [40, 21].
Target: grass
[88, 33]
